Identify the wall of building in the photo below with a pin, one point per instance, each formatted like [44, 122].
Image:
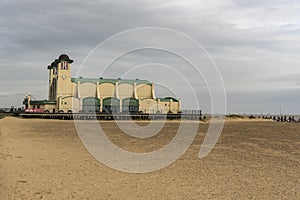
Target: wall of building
[142, 92]
[125, 90]
[69, 104]
[106, 90]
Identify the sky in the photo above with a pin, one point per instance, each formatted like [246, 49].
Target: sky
[193, 50]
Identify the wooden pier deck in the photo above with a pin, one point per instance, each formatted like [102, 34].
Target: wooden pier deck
[111, 116]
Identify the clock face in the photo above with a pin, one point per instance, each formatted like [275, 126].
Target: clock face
[64, 77]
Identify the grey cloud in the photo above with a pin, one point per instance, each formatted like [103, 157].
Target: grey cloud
[254, 43]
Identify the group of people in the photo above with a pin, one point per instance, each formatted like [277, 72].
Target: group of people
[290, 119]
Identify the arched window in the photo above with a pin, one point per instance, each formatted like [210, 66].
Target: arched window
[111, 105]
[64, 65]
[90, 104]
[130, 105]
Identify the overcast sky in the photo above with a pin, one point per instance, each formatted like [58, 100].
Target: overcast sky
[254, 44]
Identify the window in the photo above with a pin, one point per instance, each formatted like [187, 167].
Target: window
[64, 65]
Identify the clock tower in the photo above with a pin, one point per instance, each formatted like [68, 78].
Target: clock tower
[60, 78]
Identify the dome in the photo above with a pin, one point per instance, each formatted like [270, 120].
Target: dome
[64, 57]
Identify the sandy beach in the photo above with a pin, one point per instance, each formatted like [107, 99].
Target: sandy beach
[253, 159]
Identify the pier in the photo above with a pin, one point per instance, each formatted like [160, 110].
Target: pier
[114, 116]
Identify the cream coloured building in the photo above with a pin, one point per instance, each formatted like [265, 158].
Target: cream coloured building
[102, 95]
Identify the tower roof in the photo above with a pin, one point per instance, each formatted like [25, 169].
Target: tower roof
[63, 57]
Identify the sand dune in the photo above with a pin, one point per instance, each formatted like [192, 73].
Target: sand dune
[45, 159]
